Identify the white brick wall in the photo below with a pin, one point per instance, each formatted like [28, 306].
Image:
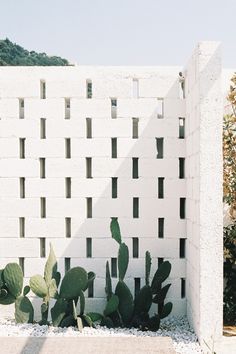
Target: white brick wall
[115, 82]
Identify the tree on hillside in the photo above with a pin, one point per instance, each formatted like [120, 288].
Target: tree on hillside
[11, 54]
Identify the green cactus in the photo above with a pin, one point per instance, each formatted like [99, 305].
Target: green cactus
[46, 287]
[11, 285]
[24, 311]
[13, 278]
[73, 285]
[115, 230]
[160, 276]
[166, 310]
[143, 300]
[74, 281]
[126, 302]
[123, 260]
[112, 305]
[122, 309]
[108, 287]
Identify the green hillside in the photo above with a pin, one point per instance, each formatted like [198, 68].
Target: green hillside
[11, 54]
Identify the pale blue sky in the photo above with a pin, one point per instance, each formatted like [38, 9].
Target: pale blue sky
[121, 32]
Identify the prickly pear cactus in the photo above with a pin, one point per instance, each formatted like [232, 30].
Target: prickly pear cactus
[46, 287]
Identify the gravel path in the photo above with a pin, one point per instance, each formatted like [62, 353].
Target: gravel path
[184, 339]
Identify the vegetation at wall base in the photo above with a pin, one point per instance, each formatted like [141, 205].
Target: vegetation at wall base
[230, 275]
[229, 154]
[12, 54]
[69, 308]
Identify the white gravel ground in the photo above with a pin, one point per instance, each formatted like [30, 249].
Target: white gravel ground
[184, 339]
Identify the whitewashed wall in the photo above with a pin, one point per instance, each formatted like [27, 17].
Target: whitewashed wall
[201, 187]
[70, 82]
[204, 112]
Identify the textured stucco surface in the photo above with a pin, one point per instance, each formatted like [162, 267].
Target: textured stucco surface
[204, 191]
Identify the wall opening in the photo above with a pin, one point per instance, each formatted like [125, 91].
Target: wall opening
[114, 148]
[135, 247]
[89, 89]
[135, 173]
[135, 207]
[160, 148]
[89, 208]
[21, 108]
[114, 187]
[22, 148]
[88, 247]
[42, 128]
[22, 227]
[88, 167]
[42, 163]
[22, 187]
[161, 187]
[161, 227]
[135, 122]
[89, 128]
[68, 227]
[67, 108]
[42, 247]
[42, 89]
[113, 108]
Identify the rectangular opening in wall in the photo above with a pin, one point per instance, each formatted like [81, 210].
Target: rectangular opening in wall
[68, 187]
[160, 260]
[22, 187]
[183, 288]
[67, 108]
[21, 108]
[160, 147]
[88, 167]
[42, 89]
[22, 264]
[42, 163]
[181, 167]
[135, 88]
[113, 108]
[114, 187]
[137, 286]
[67, 264]
[114, 267]
[135, 207]
[42, 128]
[114, 148]
[89, 88]
[90, 289]
[89, 128]
[182, 207]
[181, 128]
[22, 227]
[161, 187]
[135, 247]
[88, 247]
[135, 128]
[182, 245]
[67, 148]
[68, 227]
[42, 247]
[160, 108]
[161, 227]
[89, 207]
[22, 148]
[43, 207]
[135, 167]
[181, 86]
